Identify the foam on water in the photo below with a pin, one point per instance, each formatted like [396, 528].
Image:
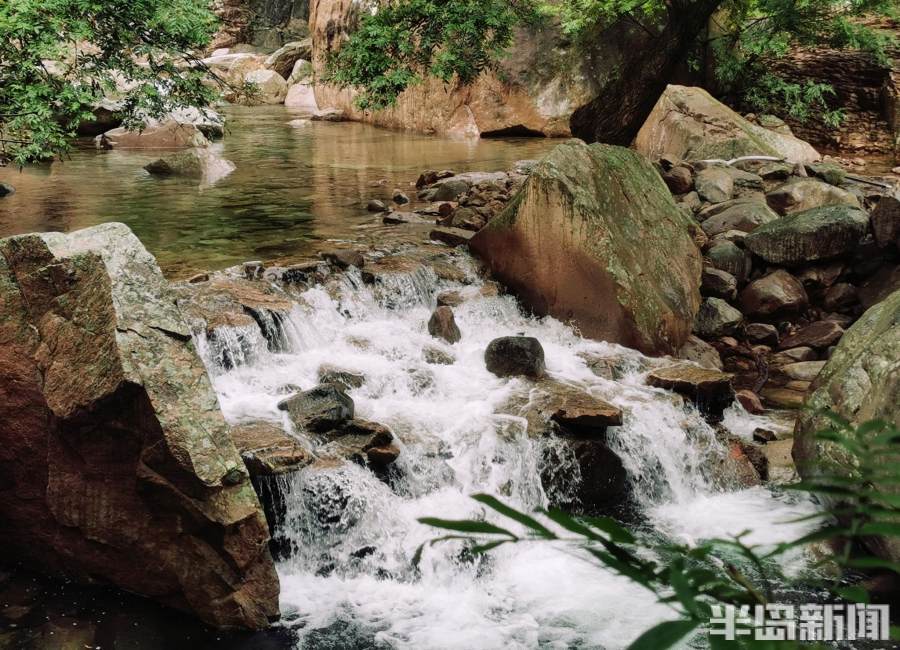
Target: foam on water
[353, 536]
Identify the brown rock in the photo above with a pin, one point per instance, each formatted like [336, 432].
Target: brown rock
[116, 462]
[700, 352]
[680, 179]
[750, 401]
[453, 237]
[776, 294]
[762, 333]
[885, 220]
[582, 413]
[764, 436]
[344, 258]
[841, 296]
[709, 389]
[787, 398]
[793, 355]
[819, 335]
[267, 450]
[157, 135]
[442, 325]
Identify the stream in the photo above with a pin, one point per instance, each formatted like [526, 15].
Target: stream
[348, 581]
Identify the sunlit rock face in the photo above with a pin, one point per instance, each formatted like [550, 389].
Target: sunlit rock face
[595, 239]
[540, 84]
[116, 461]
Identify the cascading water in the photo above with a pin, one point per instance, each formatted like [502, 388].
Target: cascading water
[348, 581]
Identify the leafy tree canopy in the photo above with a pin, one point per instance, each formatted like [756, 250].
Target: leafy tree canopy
[406, 40]
[59, 58]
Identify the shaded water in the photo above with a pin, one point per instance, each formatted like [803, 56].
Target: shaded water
[293, 187]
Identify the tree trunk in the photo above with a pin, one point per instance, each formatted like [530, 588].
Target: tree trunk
[617, 113]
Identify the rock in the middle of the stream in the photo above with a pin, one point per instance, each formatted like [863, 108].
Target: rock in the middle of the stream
[595, 238]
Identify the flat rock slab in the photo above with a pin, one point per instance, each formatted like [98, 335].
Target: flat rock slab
[710, 390]
[268, 450]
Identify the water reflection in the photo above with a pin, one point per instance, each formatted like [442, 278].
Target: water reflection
[293, 187]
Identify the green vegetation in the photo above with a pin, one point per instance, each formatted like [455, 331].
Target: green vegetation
[717, 573]
[407, 40]
[59, 58]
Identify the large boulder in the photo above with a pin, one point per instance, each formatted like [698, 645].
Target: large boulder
[776, 294]
[267, 87]
[168, 134]
[510, 356]
[115, 459]
[861, 382]
[745, 215]
[283, 59]
[595, 238]
[817, 234]
[202, 164]
[710, 390]
[689, 124]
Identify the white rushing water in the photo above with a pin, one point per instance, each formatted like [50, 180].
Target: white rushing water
[349, 582]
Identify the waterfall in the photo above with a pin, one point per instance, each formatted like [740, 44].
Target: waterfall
[348, 581]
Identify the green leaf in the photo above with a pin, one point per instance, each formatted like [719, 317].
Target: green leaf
[665, 635]
[854, 594]
[466, 526]
[529, 522]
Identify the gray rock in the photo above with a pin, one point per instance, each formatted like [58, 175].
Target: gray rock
[376, 205]
[718, 284]
[714, 184]
[727, 256]
[885, 222]
[510, 356]
[802, 194]
[6, 189]
[700, 352]
[716, 318]
[746, 216]
[319, 409]
[816, 234]
[762, 334]
[680, 179]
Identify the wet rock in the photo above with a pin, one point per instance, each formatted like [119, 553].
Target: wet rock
[431, 176]
[815, 234]
[709, 390]
[343, 379]
[320, 409]
[442, 325]
[344, 258]
[700, 352]
[155, 135]
[679, 179]
[6, 190]
[452, 237]
[737, 468]
[400, 198]
[555, 248]
[727, 256]
[776, 294]
[362, 441]
[762, 334]
[510, 356]
[268, 86]
[689, 124]
[819, 335]
[718, 284]
[450, 299]
[782, 470]
[716, 318]
[113, 446]
[750, 401]
[437, 357]
[377, 206]
[714, 184]
[743, 215]
[801, 194]
[764, 436]
[577, 411]
[398, 218]
[192, 163]
[886, 222]
[450, 189]
[267, 450]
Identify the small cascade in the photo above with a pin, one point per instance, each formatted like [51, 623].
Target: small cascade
[349, 535]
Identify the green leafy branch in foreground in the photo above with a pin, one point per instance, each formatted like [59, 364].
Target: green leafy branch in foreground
[727, 572]
[59, 58]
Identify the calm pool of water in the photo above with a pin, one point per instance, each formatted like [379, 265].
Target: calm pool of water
[293, 188]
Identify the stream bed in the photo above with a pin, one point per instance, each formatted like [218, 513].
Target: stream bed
[348, 582]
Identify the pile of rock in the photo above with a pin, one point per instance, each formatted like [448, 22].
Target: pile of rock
[793, 254]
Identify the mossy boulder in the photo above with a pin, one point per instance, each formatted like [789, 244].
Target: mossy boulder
[817, 234]
[596, 239]
[689, 123]
[116, 461]
[861, 382]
